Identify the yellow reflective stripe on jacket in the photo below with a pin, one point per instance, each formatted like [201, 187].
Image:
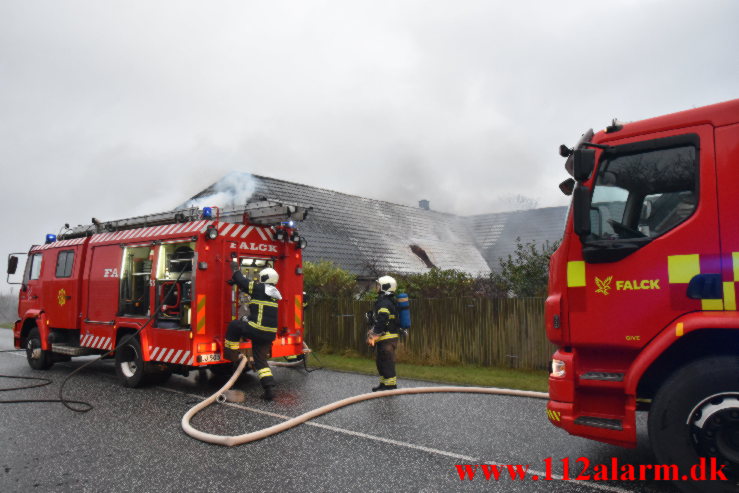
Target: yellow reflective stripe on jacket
[265, 303]
[261, 327]
[231, 344]
[387, 335]
[261, 304]
[383, 310]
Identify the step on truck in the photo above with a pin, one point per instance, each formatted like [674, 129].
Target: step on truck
[162, 277]
[642, 290]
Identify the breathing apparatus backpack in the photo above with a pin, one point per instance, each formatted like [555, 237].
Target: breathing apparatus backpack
[404, 311]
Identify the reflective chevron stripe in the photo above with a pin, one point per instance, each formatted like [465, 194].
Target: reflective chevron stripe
[96, 342]
[169, 355]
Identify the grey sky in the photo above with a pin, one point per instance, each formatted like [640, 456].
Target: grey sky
[116, 108]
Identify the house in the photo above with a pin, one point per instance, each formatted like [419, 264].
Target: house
[366, 236]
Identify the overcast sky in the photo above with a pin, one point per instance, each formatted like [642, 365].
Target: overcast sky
[117, 108]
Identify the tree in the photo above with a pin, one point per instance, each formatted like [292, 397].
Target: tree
[526, 272]
[325, 280]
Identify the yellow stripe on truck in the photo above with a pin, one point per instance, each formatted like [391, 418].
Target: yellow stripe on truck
[576, 274]
[200, 328]
[682, 268]
[298, 311]
[712, 305]
[729, 296]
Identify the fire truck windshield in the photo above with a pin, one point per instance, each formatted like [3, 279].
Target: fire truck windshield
[643, 194]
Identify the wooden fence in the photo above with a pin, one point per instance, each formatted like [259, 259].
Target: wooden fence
[506, 333]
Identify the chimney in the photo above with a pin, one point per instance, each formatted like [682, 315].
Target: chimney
[424, 204]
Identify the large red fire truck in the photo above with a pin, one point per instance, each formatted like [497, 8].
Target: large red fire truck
[163, 276]
[642, 290]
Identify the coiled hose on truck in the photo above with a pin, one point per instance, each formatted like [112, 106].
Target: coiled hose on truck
[230, 441]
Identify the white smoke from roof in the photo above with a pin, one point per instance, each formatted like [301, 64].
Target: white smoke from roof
[233, 190]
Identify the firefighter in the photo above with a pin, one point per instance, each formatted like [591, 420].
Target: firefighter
[259, 326]
[384, 332]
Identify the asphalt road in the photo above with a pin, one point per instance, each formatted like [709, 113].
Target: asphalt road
[132, 439]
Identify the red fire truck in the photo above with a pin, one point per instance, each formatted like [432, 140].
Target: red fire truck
[164, 275]
[642, 290]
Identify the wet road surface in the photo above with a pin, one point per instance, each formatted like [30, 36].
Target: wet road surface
[132, 439]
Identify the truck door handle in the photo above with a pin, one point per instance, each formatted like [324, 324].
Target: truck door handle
[706, 287]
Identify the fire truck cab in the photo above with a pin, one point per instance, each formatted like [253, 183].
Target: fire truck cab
[642, 290]
[162, 280]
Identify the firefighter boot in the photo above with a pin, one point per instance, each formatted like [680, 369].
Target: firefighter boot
[386, 384]
[382, 387]
[269, 393]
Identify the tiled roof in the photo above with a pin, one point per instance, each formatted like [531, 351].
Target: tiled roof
[497, 234]
[358, 233]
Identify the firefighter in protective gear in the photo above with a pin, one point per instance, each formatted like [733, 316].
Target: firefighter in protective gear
[384, 332]
[259, 326]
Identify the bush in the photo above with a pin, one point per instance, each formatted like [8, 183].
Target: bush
[526, 272]
[437, 283]
[326, 280]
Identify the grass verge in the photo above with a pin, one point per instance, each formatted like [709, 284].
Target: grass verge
[463, 375]
[6, 326]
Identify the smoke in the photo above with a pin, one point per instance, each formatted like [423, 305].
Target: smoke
[233, 190]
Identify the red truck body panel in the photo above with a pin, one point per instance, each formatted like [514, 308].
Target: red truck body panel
[612, 319]
[117, 279]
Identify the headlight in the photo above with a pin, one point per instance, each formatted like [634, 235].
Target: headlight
[558, 368]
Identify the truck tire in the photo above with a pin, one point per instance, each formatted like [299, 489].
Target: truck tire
[694, 415]
[129, 364]
[38, 359]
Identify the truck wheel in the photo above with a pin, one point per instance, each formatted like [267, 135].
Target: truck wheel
[695, 415]
[37, 358]
[129, 364]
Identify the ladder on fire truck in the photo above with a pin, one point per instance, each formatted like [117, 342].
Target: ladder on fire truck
[260, 212]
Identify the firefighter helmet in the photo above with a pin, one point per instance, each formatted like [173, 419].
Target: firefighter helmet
[387, 284]
[268, 275]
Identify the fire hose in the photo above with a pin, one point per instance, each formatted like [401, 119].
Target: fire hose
[230, 441]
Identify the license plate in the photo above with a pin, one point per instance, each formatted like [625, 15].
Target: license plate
[208, 358]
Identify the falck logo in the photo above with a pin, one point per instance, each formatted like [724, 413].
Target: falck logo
[61, 297]
[604, 285]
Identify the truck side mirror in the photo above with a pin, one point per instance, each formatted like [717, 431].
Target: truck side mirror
[12, 264]
[583, 164]
[567, 186]
[581, 210]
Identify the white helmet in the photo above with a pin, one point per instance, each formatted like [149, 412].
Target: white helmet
[387, 284]
[268, 275]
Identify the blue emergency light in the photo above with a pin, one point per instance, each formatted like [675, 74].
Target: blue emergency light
[50, 238]
[207, 213]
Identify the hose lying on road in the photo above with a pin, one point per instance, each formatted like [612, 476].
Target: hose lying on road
[230, 441]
